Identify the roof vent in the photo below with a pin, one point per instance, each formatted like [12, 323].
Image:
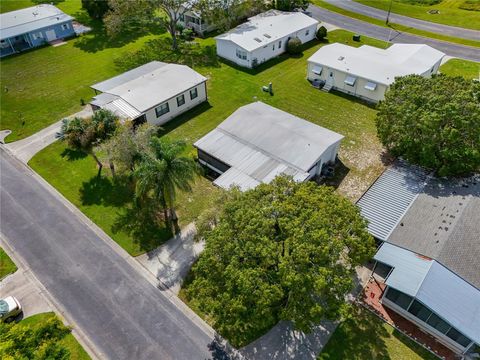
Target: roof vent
[267, 36]
[257, 39]
[341, 58]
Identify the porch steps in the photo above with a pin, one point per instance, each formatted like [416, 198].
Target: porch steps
[327, 87]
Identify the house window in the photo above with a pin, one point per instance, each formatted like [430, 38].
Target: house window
[317, 69]
[193, 93]
[399, 298]
[307, 32]
[438, 324]
[162, 109]
[182, 17]
[458, 337]
[280, 44]
[419, 311]
[350, 80]
[371, 86]
[65, 26]
[241, 54]
[180, 100]
[38, 35]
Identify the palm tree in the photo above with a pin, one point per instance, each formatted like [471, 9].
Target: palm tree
[84, 134]
[163, 172]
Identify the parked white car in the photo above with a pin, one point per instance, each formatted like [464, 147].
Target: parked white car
[9, 308]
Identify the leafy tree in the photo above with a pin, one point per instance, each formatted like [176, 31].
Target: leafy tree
[321, 32]
[95, 8]
[282, 251]
[294, 46]
[127, 13]
[291, 5]
[162, 172]
[38, 342]
[127, 146]
[85, 134]
[225, 14]
[433, 122]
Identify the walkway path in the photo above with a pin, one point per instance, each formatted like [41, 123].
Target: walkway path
[392, 35]
[171, 262]
[26, 148]
[453, 31]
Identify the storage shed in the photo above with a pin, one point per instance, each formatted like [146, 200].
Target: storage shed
[258, 142]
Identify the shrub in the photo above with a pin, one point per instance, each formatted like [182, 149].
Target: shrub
[321, 33]
[294, 46]
[187, 34]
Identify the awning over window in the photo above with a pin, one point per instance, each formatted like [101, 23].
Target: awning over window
[317, 69]
[371, 86]
[350, 80]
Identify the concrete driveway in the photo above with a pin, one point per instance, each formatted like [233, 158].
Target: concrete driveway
[171, 262]
[22, 287]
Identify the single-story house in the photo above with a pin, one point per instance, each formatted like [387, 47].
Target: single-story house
[32, 27]
[155, 92]
[367, 71]
[258, 142]
[429, 230]
[264, 37]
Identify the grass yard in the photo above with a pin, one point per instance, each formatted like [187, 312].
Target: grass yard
[41, 86]
[451, 12]
[367, 337]
[395, 27]
[459, 67]
[7, 266]
[105, 202]
[76, 350]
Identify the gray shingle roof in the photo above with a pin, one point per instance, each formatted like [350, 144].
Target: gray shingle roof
[437, 218]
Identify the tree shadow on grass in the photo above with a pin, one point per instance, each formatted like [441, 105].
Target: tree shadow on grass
[98, 39]
[101, 190]
[144, 225]
[189, 53]
[360, 337]
[72, 155]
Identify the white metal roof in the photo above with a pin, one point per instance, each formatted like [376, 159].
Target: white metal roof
[266, 28]
[151, 84]
[444, 292]
[409, 268]
[261, 142]
[378, 65]
[388, 199]
[22, 21]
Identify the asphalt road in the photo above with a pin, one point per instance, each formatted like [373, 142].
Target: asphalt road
[388, 34]
[407, 21]
[119, 311]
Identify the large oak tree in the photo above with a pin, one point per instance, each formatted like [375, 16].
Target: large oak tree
[433, 122]
[283, 251]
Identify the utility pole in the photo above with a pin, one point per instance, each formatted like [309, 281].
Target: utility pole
[389, 11]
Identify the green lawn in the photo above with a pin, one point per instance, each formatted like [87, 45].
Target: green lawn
[42, 86]
[395, 27]
[106, 202]
[451, 12]
[76, 350]
[458, 67]
[367, 337]
[7, 266]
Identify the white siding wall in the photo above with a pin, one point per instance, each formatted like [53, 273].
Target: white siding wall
[328, 156]
[176, 110]
[227, 49]
[339, 83]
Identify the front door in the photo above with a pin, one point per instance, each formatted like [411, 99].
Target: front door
[330, 78]
[51, 35]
